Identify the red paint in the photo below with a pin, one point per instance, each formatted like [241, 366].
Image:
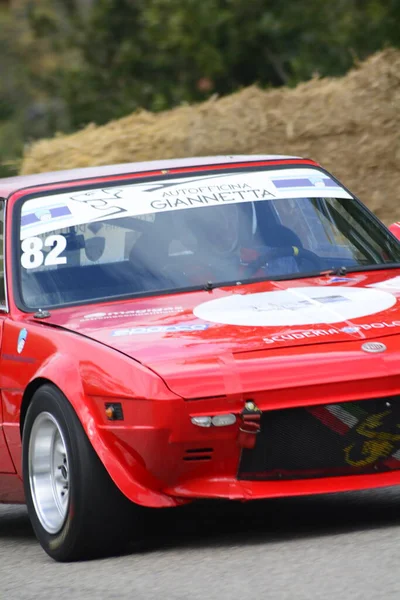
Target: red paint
[164, 379]
[395, 229]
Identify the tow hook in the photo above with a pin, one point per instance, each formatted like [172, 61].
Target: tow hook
[250, 425]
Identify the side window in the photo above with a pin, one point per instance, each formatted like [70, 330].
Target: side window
[2, 289]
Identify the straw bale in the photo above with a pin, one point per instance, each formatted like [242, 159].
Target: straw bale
[351, 125]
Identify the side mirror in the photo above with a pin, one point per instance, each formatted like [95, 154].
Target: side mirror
[395, 229]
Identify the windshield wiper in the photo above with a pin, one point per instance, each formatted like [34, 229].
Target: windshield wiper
[359, 268]
[336, 271]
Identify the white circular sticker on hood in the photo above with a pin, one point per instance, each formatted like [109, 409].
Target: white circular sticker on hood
[295, 306]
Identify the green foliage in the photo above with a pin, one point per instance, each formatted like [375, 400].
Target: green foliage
[160, 53]
[71, 62]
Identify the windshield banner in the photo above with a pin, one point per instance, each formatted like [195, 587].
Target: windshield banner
[57, 211]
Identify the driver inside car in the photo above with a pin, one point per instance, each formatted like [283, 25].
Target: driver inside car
[225, 244]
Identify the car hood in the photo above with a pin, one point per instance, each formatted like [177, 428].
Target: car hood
[181, 336]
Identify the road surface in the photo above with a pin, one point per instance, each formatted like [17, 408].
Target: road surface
[330, 547]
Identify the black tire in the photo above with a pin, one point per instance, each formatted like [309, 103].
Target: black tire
[99, 519]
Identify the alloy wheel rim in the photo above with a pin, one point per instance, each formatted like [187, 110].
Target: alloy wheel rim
[49, 472]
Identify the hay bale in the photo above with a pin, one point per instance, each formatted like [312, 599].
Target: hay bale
[351, 125]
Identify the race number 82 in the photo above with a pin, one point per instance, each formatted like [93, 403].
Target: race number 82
[32, 251]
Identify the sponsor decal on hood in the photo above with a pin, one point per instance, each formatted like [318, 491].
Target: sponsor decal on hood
[295, 306]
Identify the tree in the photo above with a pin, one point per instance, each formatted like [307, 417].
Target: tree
[70, 62]
[160, 53]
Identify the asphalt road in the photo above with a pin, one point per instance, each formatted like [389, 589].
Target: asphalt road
[332, 547]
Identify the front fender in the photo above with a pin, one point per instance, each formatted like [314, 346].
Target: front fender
[83, 370]
[75, 379]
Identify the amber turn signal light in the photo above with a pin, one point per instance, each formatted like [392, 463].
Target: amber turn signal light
[114, 411]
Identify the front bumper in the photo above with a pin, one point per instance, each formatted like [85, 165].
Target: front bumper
[187, 462]
[232, 489]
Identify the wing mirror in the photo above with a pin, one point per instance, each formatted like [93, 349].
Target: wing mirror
[395, 229]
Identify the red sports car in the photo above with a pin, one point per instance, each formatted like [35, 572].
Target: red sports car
[224, 327]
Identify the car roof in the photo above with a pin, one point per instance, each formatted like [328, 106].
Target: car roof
[10, 185]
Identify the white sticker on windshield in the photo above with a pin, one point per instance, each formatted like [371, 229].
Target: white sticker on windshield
[42, 215]
[295, 306]
[32, 251]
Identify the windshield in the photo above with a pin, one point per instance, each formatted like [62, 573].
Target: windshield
[176, 234]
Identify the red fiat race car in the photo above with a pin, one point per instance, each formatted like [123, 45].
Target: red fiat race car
[224, 327]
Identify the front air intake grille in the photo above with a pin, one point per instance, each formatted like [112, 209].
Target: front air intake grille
[328, 440]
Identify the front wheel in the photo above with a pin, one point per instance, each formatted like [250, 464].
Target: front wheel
[75, 509]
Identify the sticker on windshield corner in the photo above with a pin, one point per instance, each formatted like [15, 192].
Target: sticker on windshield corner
[159, 329]
[295, 306]
[23, 334]
[33, 257]
[299, 182]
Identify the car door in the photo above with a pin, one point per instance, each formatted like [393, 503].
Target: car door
[6, 465]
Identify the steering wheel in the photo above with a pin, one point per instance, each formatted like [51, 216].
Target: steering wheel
[295, 252]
